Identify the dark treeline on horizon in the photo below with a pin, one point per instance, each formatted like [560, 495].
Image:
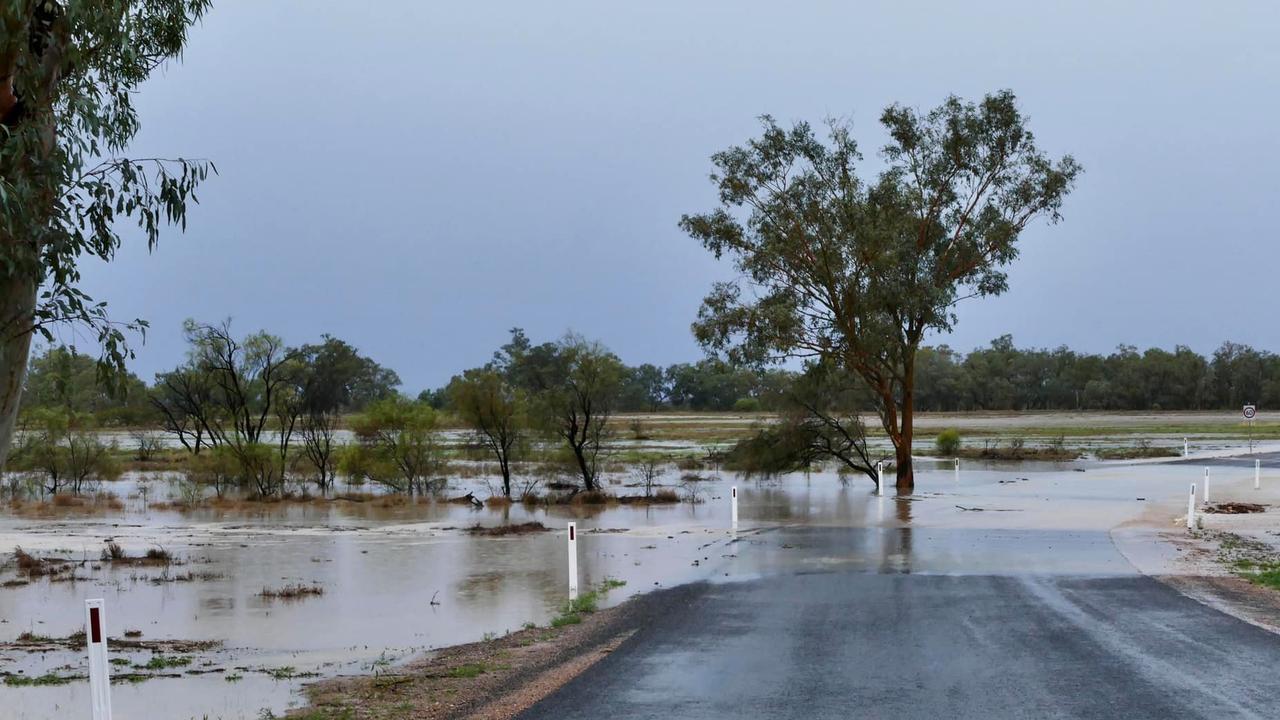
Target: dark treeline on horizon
[1000, 376]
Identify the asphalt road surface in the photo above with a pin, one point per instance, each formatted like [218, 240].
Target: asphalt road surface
[844, 644]
[1269, 460]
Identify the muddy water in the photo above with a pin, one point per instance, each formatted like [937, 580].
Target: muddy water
[401, 580]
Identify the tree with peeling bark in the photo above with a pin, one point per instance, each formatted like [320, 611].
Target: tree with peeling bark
[856, 273]
[68, 72]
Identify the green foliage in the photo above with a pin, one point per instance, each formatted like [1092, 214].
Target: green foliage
[70, 71]
[747, 404]
[65, 379]
[397, 446]
[856, 271]
[819, 421]
[947, 442]
[469, 670]
[495, 411]
[335, 378]
[64, 451]
[573, 387]
[227, 394]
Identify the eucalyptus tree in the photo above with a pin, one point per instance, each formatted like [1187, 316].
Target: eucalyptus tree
[836, 268]
[397, 446]
[333, 378]
[229, 394]
[69, 70]
[575, 394]
[496, 412]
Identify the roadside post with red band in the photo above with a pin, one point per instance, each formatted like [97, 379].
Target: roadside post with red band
[573, 561]
[95, 634]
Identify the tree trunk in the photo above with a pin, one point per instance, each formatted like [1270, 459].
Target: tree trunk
[906, 476]
[506, 474]
[18, 304]
[588, 478]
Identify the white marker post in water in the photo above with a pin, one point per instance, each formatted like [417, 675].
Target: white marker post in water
[99, 669]
[1206, 486]
[733, 507]
[573, 561]
[1257, 474]
[1186, 448]
[957, 469]
[1191, 509]
[880, 478]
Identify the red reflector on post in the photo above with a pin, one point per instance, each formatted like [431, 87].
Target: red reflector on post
[95, 626]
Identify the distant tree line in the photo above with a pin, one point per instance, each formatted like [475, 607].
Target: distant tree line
[999, 376]
[1003, 377]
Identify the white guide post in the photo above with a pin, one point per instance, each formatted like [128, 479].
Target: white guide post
[95, 634]
[880, 478]
[733, 507]
[1191, 509]
[1186, 448]
[573, 561]
[1257, 474]
[1206, 486]
[957, 469]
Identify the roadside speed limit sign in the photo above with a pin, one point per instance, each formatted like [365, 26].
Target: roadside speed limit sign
[1250, 411]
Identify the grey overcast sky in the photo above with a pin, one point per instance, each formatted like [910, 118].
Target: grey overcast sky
[417, 177]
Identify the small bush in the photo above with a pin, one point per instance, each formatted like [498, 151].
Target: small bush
[158, 555]
[948, 442]
[747, 405]
[666, 495]
[114, 552]
[291, 592]
[592, 497]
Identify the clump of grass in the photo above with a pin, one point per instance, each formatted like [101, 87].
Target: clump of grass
[1142, 450]
[469, 670]
[568, 619]
[113, 552]
[162, 662]
[288, 672]
[1250, 559]
[665, 495]
[158, 555]
[291, 592]
[35, 567]
[503, 530]
[40, 680]
[592, 497]
[584, 604]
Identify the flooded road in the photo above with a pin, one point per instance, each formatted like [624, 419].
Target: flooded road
[400, 578]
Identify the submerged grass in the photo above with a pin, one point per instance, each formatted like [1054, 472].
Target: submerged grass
[1250, 559]
[586, 603]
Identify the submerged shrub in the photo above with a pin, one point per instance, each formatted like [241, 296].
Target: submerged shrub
[948, 442]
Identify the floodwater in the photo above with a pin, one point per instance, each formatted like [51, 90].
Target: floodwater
[399, 580]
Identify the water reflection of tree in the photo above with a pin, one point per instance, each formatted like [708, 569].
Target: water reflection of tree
[903, 540]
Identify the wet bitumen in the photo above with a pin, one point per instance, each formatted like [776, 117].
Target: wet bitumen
[849, 643]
